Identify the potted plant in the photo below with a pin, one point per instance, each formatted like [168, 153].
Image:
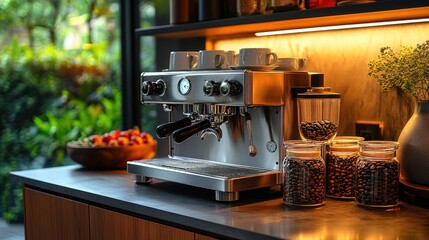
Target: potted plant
[408, 69]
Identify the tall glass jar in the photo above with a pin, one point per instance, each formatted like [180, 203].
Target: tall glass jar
[318, 111]
[377, 174]
[340, 166]
[303, 174]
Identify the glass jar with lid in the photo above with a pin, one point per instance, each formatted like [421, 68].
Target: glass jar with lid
[318, 111]
[303, 174]
[377, 174]
[341, 158]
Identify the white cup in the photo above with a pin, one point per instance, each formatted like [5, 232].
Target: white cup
[257, 57]
[183, 60]
[288, 64]
[212, 59]
[232, 58]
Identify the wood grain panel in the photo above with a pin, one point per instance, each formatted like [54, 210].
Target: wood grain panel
[51, 217]
[107, 225]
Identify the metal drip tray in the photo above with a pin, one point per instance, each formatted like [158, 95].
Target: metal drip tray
[226, 179]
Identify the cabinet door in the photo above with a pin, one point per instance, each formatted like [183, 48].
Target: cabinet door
[52, 217]
[107, 225]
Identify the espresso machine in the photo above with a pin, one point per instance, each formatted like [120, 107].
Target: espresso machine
[226, 128]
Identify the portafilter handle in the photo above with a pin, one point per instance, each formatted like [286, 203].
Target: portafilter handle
[164, 130]
[186, 132]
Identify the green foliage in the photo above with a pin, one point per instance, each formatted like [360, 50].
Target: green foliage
[49, 21]
[52, 130]
[407, 69]
[49, 95]
[66, 93]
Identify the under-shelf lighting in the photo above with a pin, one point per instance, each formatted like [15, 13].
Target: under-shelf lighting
[340, 27]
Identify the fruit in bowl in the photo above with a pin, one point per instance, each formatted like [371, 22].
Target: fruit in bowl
[112, 150]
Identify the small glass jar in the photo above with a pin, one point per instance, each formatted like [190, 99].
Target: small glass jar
[250, 7]
[303, 174]
[341, 161]
[318, 111]
[282, 5]
[377, 174]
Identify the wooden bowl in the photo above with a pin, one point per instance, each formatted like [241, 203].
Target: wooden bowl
[109, 157]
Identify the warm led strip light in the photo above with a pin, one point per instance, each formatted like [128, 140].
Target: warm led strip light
[339, 27]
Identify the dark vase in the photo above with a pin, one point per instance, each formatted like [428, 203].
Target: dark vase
[413, 152]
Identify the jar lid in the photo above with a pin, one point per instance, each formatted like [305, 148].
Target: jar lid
[319, 94]
[318, 90]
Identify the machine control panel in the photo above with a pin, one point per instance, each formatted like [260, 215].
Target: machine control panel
[223, 87]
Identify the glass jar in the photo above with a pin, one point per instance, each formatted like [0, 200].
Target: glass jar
[377, 174]
[250, 7]
[282, 5]
[341, 161]
[318, 111]
[303, 174]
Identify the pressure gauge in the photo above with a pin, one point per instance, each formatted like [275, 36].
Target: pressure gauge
[184, 86]
[271, 146]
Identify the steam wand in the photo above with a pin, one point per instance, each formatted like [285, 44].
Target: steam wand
[252, 147]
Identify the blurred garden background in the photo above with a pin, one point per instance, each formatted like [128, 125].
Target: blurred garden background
[59, 80]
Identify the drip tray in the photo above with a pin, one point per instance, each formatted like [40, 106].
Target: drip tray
[226, 179]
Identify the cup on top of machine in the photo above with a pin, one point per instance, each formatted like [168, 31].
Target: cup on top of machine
[183, 60]
[232, 58]
[212, 59]
[257, 57]
[288, 64]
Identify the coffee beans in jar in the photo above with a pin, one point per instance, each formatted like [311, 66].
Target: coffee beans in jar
[318, 111]
[322, 130]
[377, 174]
[303, 174]
[340, 170]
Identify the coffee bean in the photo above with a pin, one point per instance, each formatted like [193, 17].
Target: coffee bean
[303, 182]
[340, 175]
[377, 183]
[318, 130]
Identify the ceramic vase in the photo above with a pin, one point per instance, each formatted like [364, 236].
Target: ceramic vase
[413, 152]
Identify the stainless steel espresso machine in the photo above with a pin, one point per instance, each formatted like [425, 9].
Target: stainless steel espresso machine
[225, 129]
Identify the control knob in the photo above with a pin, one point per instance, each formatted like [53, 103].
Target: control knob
[211, 88]
[230, 88]
[153, 88]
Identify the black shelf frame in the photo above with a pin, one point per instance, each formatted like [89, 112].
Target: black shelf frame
[199, 29]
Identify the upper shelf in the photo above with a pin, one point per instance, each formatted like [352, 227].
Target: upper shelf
[387, 10]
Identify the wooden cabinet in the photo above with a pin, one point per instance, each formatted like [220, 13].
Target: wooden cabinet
[107, 225]
[51, 217]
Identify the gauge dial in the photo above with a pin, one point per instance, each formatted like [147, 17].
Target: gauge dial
[184, 86]
[271, 146]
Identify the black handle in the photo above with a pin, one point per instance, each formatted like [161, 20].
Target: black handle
[186, 132]
[164, 130]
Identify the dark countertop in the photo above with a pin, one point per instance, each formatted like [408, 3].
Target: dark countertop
[259, 214]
